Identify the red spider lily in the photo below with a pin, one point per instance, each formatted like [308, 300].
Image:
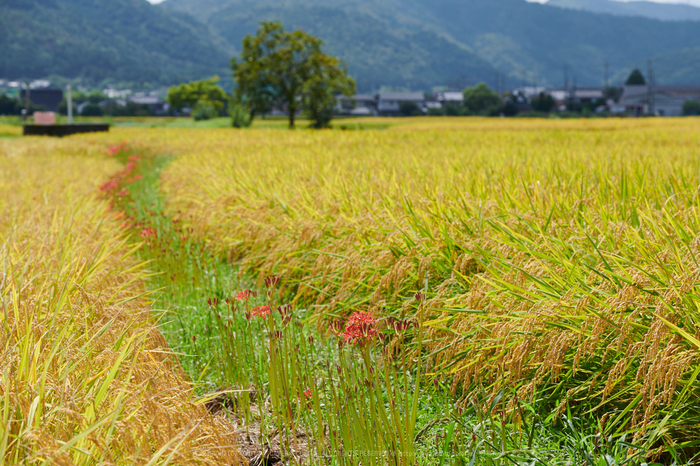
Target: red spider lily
[213, 302]
[245, 295]
[419, 296]
[114, 150]
[147, 232]
[110, 185]
[361, 328]
[337, 327]
[123, 192]
[401, 325]
[261, 311]
[136, 178]
[134, 158]
[286, 313]
[307, 395]
[272, 281]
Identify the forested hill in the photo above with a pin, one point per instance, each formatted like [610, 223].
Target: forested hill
[663, 11]
[98, 40]
[414, 42]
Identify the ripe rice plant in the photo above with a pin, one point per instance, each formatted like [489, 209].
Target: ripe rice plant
[85, 376]
[560, 258]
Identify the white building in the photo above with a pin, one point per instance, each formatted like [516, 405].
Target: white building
[658, 100]
[389, 103]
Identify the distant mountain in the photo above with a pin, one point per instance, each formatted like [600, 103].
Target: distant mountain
[105, 40]
[422, 43]
[662, 11]
[377, 52]
[412, 44]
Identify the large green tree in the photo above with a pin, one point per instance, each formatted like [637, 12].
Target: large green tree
[636, 78]
[290, 70]
[206, 93]
[480, 100]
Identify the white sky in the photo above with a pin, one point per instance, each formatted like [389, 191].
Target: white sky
[689, 2]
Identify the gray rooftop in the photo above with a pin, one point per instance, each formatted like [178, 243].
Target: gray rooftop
[399, 96]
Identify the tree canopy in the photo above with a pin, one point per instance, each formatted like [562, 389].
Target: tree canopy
[288, 70]
[205, 93]
[636, 78]
[481, 100]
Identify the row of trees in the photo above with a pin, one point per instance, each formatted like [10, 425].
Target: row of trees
[276, 69]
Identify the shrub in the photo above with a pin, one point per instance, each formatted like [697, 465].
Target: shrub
[92, 110]
[409, 109]
[204, 110]
[240, 117]
[691, 107]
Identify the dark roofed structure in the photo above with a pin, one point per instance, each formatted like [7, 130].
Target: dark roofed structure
[49, 98]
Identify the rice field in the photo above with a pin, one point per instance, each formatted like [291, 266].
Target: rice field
[557, 258]
[423, 291]
[85, 375]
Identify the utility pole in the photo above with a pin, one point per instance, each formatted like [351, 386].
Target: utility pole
[650, 88]
[26, 102]
[69, 98]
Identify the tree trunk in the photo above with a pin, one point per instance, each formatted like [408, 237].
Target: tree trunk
[292, 111]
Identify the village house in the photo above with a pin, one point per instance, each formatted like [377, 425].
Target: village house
[357, 105]
[658, 100]
[389, 103]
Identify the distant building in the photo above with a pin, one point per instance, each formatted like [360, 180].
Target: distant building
[48, 98]
[451, 97]
[156, 105]
[357, 105]
[389, 103]
[658, 100]
[575, 95]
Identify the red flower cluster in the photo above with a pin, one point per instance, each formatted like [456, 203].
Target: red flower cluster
[245, 295]
[261, 311]
[307, 396]
[123, 177]
[146, 232]
[114, 150]
[110, 185]
[360, 328]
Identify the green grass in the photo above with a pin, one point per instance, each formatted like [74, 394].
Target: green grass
[276, 122]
